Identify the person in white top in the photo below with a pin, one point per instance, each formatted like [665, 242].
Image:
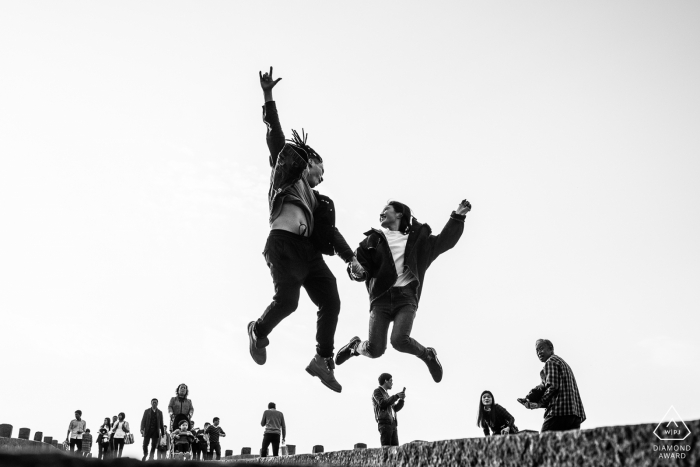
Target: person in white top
[395, 260]
[120, 429]
[76, 428]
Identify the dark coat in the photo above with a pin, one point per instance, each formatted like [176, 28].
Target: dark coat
[146, 420]
[383, 404]
[422, 248]
[288, 165]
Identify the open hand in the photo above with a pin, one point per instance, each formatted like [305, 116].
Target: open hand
[266, 81]
[464, 207]
[533, 405]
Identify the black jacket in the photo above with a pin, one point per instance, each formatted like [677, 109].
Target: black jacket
[287, 168]
[422, 249]
[146, 419]
[383, 404]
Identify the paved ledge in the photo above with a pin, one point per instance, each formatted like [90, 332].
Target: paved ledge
[633, 446]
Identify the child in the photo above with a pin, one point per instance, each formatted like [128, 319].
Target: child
[182, 438]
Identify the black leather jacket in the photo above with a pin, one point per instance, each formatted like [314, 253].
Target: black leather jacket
[422, 249]
[383, 404]
[287, 168]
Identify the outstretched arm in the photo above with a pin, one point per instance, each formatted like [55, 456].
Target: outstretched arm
[275, 135]
[452, 231]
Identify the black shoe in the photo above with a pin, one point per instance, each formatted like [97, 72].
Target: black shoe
[433, 363]
[347, 351]
[257, 346]
[323, 369]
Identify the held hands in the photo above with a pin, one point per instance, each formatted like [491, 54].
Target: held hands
[505, 431]
[356, 269]
[266, 81]
[464, 207]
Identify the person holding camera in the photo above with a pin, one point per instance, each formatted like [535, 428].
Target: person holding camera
[561, 399]
[395, 260]
[76, 428]
[385, 408]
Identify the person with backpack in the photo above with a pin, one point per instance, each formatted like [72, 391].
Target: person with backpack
[120, 430]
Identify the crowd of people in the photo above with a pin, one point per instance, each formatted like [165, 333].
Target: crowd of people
[182, 439]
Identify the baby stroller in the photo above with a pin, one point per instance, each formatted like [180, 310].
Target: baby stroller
[181, 438]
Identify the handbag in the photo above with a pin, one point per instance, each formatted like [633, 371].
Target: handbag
[129, 438]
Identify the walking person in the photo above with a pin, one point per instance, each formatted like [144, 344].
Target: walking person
[561, 399]
[74, 436]
[103, 439]
[163, 443]
[273, 421]
[180, 407]
[120, 429]
[395, 260]
[111, 436]
[196, 451]
[494, 417]
[215, 431]
[302, 229]
[151, 424]
[385, 408]
[203, 440]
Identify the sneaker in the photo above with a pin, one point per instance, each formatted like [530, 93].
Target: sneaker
[433, 363]
[257, 346]
[323, 369]
[347, 351]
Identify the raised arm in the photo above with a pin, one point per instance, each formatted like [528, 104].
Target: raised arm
[275, 135]
[452, 231]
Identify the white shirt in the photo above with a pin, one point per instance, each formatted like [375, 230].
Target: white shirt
[118, 431]
[397, 245]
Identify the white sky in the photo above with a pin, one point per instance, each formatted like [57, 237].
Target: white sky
[133, 186]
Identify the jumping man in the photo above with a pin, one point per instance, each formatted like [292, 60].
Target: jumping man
[302, 228]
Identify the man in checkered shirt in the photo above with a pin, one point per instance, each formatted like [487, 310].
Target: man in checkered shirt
[564, 409]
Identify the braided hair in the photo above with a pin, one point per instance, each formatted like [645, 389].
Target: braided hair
[300, 143]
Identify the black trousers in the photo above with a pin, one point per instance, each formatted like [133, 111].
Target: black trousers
[75, 442]
[561, 423]
[118, 447]
[389, 434]
[153, 438]
[102, 450]
[215, 450]
[196, 451]
[295, 263]
[271, 438]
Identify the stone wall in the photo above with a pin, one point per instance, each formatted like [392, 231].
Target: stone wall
[632, 446]
[16, 445]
